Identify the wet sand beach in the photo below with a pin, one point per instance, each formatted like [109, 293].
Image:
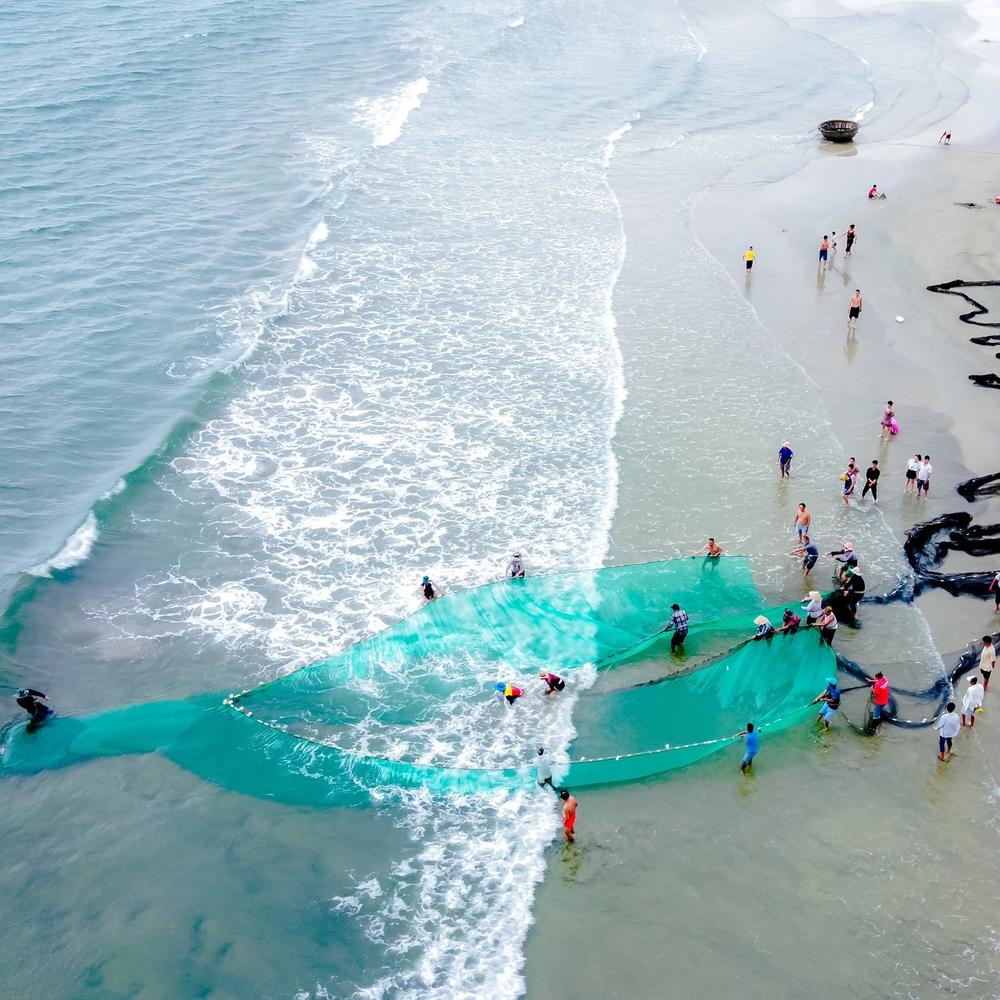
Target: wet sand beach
[854, 866]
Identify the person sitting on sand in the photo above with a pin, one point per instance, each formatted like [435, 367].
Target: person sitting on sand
[875, 193]
[713, 549]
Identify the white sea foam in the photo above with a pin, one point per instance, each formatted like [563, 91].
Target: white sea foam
[516, 23]
[386, 116]
[76, 550]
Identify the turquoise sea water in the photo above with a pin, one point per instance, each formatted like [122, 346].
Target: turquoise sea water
[301, 301]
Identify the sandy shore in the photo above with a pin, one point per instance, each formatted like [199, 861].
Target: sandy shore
[839, 868]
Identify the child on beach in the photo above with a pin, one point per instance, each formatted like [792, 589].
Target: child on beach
[849, 477]
[749, 258]
[753, 745]
[569, 814]
[947, 726]
[972, 702]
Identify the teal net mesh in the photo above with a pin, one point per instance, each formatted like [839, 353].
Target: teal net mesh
[412, 706]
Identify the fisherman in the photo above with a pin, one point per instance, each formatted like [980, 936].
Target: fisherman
[569, 814]
[544, 768]
[846, 557]
[27, 698]
[853, 590]
[765, 630]
[831, 701]
[508, 691]
[679, 623]
[827, 624]
[429, 590]
[809, 552]
[753, 745]
[880, 695]
[515, 568]
[713, 549]
[813, 607]
[972, 702]
[553, 682]
[789, 622]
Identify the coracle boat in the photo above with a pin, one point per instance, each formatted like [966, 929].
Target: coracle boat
[839, 129]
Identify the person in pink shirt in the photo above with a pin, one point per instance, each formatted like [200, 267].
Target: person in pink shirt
[880, 694]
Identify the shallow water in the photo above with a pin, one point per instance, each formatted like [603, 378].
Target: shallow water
[308, 302]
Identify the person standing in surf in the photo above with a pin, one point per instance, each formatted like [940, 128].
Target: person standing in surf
[912, 468]
[851, 237]
[871, 480]
[679, 623]
[569, 814]
[924, 476]
[987, 660]
[752, 738]
[785, 454]
[854, 311]
[888, 416]
[515, 568]
[824, 252]
[947, 726]
[972, 702]
[429, 590]
[712, 547]
[802, 521]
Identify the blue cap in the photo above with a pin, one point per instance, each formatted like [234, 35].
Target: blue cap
[500, 686]
[831, 681]
[426, 579]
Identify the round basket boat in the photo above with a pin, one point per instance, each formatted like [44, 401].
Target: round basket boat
[839, 130]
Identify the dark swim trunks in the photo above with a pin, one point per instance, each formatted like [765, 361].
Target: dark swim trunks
[855, 312]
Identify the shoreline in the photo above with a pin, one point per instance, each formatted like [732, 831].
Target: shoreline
[637, 882]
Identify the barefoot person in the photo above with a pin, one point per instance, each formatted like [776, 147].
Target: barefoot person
[830, 698]
[802, 521]
[752, 738]
[713, 549]
[785, 460]
[569, 814]
[515, 568]
[429, 590]
[824, 251]
[851, 237]
[947, 726]
[912, 468]
[880, 695]
[854, 311]
[887, 418]
[972, 701]
[679, 623]
[871, 480]
[543, 767]
[995, 590]
[809, 553]
[850, 477]
[813, 607]
[987, 661]
[553, 682]
[749, 258]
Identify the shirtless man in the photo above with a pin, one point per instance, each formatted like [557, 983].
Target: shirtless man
[802, 521]
[569, 814]
[854, 311]
[824, 251]
[713, 549]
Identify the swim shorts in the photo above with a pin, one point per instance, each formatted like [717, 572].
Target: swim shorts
[749, 264]
[854, 312]
[921, 484]
[809, 561]
[827, 712]
[801, 529]
[568, 824]
[822, 255]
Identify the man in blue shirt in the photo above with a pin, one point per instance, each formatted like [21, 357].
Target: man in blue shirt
[785, 460]
[831, 701]
[753, 745]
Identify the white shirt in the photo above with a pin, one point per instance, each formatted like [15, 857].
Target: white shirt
[973, 699]
[544, 766]
[913, 465]
[988, 658]
[949, 724]
[925, 470]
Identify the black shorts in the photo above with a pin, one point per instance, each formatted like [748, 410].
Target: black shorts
[749, 264]
[854, 312]
[911, 474]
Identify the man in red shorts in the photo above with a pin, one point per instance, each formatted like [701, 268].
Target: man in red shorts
[569, 814]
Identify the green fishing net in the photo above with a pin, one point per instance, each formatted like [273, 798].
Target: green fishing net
[296, 740]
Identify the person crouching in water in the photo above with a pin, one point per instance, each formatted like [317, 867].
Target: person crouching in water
[553, 682]
[429, 590]
[765, 630]
[508, 691]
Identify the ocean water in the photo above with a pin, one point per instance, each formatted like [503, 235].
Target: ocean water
[302, 302]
